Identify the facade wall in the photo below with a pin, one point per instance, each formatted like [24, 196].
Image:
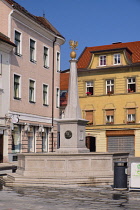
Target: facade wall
[30, 126]
[137, 143]
[120, 101]
[5, 10]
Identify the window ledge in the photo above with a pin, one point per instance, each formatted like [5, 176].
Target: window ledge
[46, 67]
[32, 102]
[18, 54]
[110, 123]
[17, 98]
[33, 61]
[45, 104]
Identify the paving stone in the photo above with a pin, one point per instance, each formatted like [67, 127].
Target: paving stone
[81, 198]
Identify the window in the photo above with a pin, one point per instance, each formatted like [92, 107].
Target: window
[46, 57]
[102, 60]
[16, 139]
[45, 140]
[110, 116]
[0, 63]
[89, 117]
[31, 91]
[18, 43]
[57, 97]
[131, 115]
[131, 85]
[109, 86]
[117, 59]
[58, 61]
[89, 88]
[32, 51]
[31, 139]
[45, 95]
[17, 87]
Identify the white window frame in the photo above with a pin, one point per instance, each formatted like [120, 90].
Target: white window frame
[1, 63]
[110, 86]
[17, 148]
[34, 93]
[117, 59]
[32, 142]
[131, 117]
[45, 140]
[33, 58]
[46, 58]
[18, 52]
[89, 85]
[129, 83]
[58, 61]
[19, 87]
[109, 118]
[57, 97]
[104, 58]
[47, 95]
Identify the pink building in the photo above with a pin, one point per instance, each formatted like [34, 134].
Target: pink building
[30, 83]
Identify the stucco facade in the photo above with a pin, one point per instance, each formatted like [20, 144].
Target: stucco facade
[109, 89]
[32, 84]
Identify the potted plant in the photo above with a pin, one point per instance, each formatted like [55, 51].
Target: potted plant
[88, 93]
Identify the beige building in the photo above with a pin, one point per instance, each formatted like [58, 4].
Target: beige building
[29, 83]
[109, 91]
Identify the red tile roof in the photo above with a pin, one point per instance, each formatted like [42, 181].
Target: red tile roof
[6, 39]
[64, 81]
[86, 55]
[40, 20]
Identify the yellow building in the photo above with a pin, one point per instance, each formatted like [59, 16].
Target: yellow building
[109, 91]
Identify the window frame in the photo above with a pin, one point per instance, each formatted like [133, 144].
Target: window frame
[46, 95]
[92, 113]
[19, 87]
[102, 60]
[33, 53]
[130, 88]
[58, 61]
[34, 91]
[118, 59]
[57, 97]
[46, 57]
[45, 140]
[88, 87]
[131, 117]
[1, 60]
[19, 51]
[109, 118]
[109, 86]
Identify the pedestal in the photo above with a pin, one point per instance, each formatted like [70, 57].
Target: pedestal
[72, 136]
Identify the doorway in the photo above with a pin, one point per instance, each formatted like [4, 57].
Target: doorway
[91, 143]
[1, 148]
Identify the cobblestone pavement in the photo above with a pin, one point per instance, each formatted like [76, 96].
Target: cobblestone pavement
[79, 198]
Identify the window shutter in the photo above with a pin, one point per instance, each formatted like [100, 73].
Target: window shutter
[110, 112]
[131, 111]
[89, 116]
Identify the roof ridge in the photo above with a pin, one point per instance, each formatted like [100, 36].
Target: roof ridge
[48, 26]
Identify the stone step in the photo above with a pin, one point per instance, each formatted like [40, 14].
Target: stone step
[15, 179]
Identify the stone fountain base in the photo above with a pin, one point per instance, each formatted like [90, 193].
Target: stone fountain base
[64, 169]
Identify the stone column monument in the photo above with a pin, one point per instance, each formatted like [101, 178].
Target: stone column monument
[72, 126]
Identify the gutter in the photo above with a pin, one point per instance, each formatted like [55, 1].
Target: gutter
[53, 93]
[108, 67]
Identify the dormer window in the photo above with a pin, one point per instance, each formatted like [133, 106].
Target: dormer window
[117, 59]
[102, 60]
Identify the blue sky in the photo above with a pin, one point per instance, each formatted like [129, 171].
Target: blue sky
[90, 22]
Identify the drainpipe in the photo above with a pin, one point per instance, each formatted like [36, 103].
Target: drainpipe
[53, 90]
